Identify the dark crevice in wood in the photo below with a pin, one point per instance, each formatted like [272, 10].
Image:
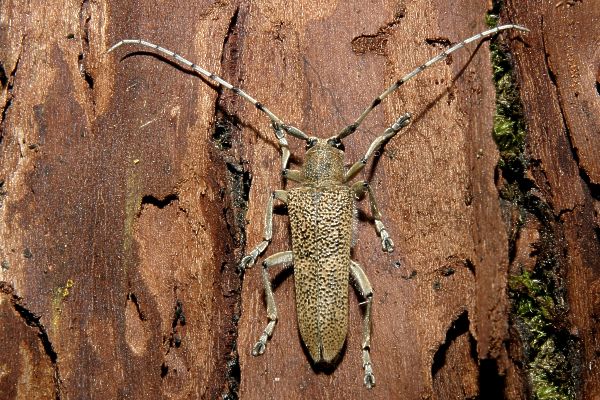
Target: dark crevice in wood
[231, 35]
[441, 42]
[491, 383]
[236, 194]
[8, 83]
[3, 194]
[33, 320]
[225, 125]
[455, 262]
[377, 42]
[89, 80]
[243, 183]
[470, 266]
[176, 335]
[158, 202]
[3, 77]
[549, 70]
[459, 327]
[84, 21]
[539, 308]
[177, 323]
[132, 297]
[594, 188]
[164, 370]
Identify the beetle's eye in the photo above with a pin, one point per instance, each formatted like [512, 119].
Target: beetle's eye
[337, 143]
[310, 143]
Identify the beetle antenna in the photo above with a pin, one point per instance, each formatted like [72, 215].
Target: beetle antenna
[275, 120]
[352, 127]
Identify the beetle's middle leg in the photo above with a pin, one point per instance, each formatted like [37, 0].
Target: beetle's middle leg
[284, 257]
[359, 189]
[250, 259]
[366, 291]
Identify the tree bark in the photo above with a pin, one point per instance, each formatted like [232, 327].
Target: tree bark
[130, 188]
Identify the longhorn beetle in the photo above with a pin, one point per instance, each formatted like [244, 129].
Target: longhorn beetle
[321, 210]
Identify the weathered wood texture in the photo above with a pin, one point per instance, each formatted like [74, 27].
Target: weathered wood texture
[559, 73]
[124, 183]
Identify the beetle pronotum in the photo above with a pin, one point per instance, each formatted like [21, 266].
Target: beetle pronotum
[321, 210]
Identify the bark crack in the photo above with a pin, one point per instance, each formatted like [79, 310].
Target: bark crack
[234, 195]
[7, 82]
[177, 324]
[593, 187]
[377, 42]
[459, 327]
[159, 202]
[33, 320]
[84, 21]
[542, 342]
[547, 63]
[133, 298]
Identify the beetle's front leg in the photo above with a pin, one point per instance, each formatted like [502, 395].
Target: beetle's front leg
[249, 260]
[366, 291]
[376, 145]
[284, 257]
[283, 145]
[359, 189]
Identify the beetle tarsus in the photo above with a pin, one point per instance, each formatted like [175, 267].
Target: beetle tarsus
[369, 376]
[260, 346]
[247, 262]
[386, 242]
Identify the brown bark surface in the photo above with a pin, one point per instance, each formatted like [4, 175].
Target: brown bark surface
[560, 86]
[124, 183]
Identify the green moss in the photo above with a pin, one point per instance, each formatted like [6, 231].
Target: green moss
[509, 126]
[537, 313]
[544, 369]
[537, 298]
[533, 305]
[491, 20]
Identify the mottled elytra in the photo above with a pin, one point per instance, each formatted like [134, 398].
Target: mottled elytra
[321, 211]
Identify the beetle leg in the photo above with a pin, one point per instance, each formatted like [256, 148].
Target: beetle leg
[284, 257]
[249, 260]
[366, 291]
[376, 145]
[359, 189]
[283, 145]
[293, 175]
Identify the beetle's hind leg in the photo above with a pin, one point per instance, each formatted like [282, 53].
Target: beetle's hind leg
[366, 291]
[284, 257]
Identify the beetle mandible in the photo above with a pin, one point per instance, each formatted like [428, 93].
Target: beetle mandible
[321, 210]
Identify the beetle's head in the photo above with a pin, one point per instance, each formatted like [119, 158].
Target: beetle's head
[332, 144]
[324, 160]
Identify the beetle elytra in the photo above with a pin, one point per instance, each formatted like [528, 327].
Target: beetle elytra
[321, 211]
